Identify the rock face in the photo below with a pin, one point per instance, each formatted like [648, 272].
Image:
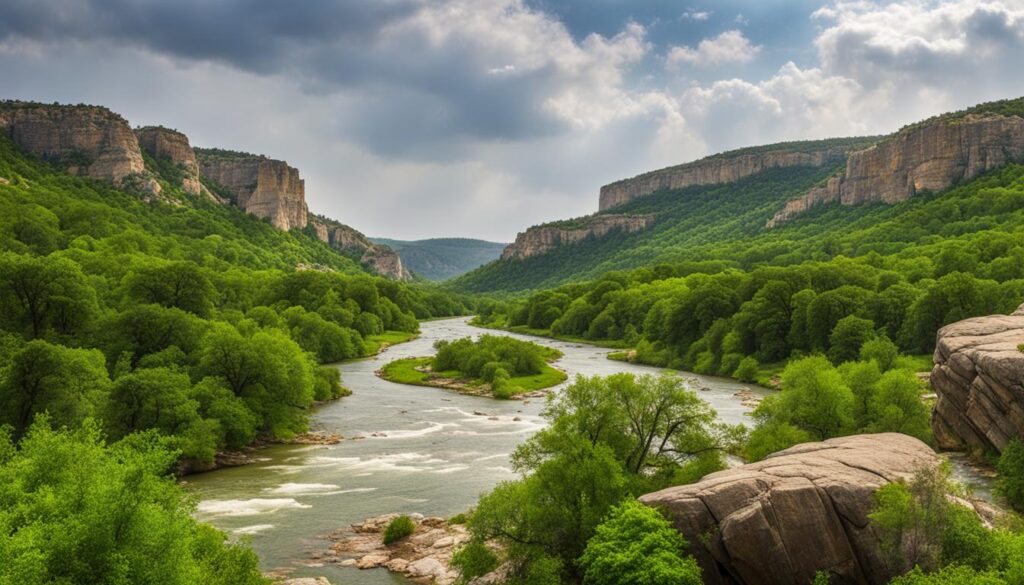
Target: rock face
[90, 140]
[802, 510]
[544, 238]
[164, 143]
[712, 170]
[261, 186]
[979, 379]
[931, 156]
[381, 259]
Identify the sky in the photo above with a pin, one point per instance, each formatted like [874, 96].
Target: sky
[479, 118]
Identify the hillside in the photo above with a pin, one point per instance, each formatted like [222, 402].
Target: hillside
[443, 258]
[760, 212]
[121, 299]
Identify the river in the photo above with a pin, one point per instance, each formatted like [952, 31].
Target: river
[425, 450]
[421, 449]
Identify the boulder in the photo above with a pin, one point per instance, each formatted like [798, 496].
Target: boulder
[372, 560]
[800, 511]
[979, 382]
[306, 581]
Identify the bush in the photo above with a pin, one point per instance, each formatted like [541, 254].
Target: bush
[398, 529]
[747, 370]
[635, 544]
[473, 560]
[1010, 484]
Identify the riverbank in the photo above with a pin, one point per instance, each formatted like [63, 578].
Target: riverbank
[375, 345]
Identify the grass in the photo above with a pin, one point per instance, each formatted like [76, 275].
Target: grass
[375, 343]
[404, 371]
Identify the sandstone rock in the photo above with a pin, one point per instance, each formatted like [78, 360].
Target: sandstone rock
[931, 156]
[261, 186]
[306, 581]
[426, 567]
[397, 565]
[381, 259]
[723, 168]
[800, 511]
[160, 142]
[544, 238]
[372, 560]
[979, 379]
[89, 140]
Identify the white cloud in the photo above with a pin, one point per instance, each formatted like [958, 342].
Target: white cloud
[729, 47]
[697, 15]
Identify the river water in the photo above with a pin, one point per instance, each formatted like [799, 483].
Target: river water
[423, 450]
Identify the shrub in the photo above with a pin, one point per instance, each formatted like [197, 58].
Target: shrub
[398, 529]
[1010, 484]
[473, 560]
[746, 371]
[635, 544]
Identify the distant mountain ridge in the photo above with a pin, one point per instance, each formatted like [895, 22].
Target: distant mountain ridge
[723, 206]
[443, 258]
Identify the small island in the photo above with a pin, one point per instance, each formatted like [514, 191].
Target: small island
[497, 366]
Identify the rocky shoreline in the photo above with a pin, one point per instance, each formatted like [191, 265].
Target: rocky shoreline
[424, 556]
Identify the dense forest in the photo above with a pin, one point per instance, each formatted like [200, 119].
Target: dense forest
[154, 334]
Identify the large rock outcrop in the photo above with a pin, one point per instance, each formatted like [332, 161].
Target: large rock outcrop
[930, 156]
[544, 238]
[979, 380]
[164, 143]
[802, 510]
[378, 257]
[88, 140]
[722, 168]
[261, 186]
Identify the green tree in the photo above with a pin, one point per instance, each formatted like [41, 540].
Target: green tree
[159, 399]
[847, 338]
[39, 294]
[635, 544]
[814, 397]
[1010, 483]
[43, 377]
[182, 285]
[75, 511]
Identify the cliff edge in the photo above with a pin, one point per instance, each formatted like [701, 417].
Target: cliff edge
[544, 238]
[930, 156]
[261, 186]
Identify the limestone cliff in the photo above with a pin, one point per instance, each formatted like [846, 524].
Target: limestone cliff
[164, 143]
[979, 380]
[543, 238]
[722, 168]
[261, 186]
[800, 511]
[379, 258]
[930, 156]
[88, 140]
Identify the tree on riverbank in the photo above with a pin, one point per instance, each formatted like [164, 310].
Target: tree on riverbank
[608, 439]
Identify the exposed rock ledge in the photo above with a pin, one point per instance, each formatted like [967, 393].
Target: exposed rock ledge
[425, 556]
[545, 238]
[259, 185]
[802, 510]
[931, 157]
[378, 257]
[979, 379]
[723, 168]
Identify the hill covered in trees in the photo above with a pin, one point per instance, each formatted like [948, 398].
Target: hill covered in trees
[443, 258]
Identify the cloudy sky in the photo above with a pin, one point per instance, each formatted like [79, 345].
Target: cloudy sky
[478, 118]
